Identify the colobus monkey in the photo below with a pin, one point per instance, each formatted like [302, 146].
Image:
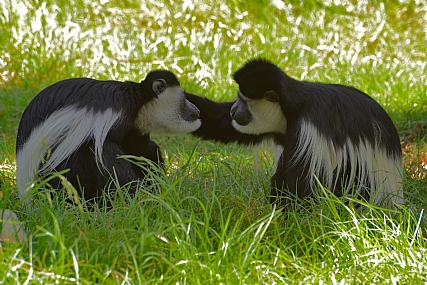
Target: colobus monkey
[84, 125]
[333, 133]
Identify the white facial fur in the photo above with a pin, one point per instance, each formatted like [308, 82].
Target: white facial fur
[163, 114]
[267, 117]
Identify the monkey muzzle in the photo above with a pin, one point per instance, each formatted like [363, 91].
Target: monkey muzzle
[240, 113]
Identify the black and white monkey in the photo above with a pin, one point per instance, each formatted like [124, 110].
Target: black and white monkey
[84, 125]
[331, 132]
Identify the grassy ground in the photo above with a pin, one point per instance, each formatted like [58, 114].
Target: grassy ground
[209, 221]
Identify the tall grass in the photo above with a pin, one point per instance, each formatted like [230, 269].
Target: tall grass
[208, 221]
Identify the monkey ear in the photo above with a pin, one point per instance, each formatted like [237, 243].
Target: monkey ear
[271, 96]
[159, 85]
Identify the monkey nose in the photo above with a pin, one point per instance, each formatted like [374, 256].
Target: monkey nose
[243, 121]
[190, 115]
[232, 111]
[195, 115]
[242, 117]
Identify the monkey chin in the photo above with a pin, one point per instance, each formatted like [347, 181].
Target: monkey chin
[248, 129]
[182, 127]
[198, 123]
[187, 127]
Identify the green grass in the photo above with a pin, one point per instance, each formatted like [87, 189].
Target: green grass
[209, 220]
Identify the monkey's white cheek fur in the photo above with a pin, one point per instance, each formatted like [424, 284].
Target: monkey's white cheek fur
[267, 117]
[163, 115]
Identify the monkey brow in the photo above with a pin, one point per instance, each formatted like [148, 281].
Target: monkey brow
[242, 97]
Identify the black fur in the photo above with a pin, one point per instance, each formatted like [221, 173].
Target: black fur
[339, 113]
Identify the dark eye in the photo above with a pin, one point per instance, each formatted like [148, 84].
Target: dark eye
[159, 85]
[271, 96]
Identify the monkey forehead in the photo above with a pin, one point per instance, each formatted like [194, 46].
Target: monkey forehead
[168, 76]
[254, 64]
[258, 76]
[255, 83]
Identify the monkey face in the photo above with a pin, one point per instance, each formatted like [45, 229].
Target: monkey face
[258, 116]
[169, 113]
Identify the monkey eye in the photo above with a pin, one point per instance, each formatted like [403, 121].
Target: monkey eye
[271, 96]
[159, 85]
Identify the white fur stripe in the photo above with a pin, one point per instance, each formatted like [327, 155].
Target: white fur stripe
[278, 149]
[324, 159]
[62, 133]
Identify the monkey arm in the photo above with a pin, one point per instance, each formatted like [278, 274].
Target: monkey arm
[142, 146]
[216, 122]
